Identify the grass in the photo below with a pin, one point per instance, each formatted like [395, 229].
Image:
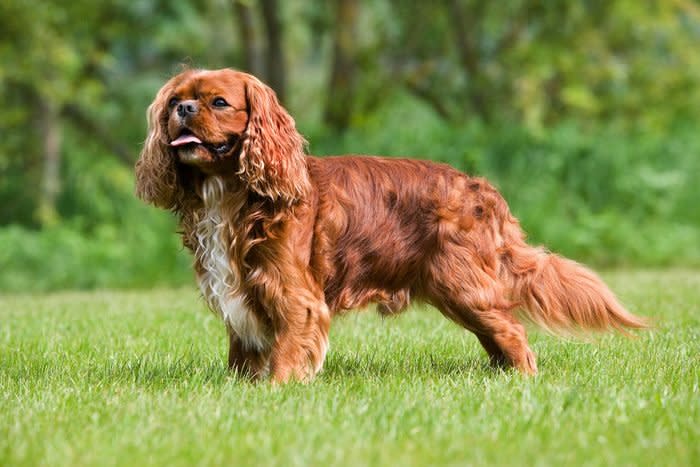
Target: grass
[138, 378]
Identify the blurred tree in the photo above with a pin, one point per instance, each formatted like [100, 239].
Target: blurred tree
[276, 68]
[251, 48]
[51, 69]
[341, 88]
[76, 77]
[49, 126]
[262, 58]
[536, 62]
[67, 80]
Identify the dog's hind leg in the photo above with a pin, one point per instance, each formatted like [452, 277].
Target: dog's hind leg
[496, 357]
[499, 333]
[474, 300]
[505, 340]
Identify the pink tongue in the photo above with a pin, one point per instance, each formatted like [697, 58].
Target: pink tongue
[185, 139]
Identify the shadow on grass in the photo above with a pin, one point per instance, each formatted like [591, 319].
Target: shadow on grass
[148, 372]
[422, 365]
[154, 371]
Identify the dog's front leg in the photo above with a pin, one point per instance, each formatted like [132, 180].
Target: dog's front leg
[245, 361]
[301, 340]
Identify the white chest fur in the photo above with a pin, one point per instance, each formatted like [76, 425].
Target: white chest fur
[220, 280]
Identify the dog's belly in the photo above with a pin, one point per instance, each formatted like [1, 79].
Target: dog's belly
[219, 278]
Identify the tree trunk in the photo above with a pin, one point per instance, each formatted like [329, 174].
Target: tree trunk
[275, 67]
[250, 40]
[469, 56]
[50, 128]
[341, 88]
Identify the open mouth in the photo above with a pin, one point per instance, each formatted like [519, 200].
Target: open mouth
[188, 146]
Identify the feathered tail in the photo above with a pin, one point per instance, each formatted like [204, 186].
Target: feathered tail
[563, 296]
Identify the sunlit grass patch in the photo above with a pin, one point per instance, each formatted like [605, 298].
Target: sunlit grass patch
[139, 378]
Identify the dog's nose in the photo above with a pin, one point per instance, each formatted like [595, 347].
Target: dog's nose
[187, 108]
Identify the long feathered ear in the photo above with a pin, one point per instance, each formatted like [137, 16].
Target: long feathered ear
[272, 161]
[156, 172]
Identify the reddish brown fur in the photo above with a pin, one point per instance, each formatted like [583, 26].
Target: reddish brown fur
[313, 237]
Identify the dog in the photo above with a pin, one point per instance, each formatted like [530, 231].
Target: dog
[284, 241]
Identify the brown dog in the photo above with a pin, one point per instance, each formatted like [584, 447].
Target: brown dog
[284, 241]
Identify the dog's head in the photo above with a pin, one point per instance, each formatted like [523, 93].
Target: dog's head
[206, 115]
[220, 122]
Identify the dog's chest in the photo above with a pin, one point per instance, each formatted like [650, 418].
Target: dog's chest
[219, 277]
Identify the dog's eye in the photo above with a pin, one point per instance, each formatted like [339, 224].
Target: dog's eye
[173, 101]
[219, 102]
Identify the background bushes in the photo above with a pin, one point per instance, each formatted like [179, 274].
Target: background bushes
[582, 114]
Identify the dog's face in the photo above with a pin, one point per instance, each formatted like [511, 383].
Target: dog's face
[207, 115]
[221, 122]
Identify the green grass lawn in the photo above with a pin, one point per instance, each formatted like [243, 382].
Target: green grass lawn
[138, 378]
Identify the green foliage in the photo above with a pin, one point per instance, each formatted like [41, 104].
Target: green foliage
[581, 112]
[64, 256]
[632, 63]
[607, 197]
[139, 378]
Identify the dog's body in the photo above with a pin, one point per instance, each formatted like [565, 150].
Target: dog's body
[284, 241]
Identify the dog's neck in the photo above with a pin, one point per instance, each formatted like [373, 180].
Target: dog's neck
[213, 188]
[212, 191]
